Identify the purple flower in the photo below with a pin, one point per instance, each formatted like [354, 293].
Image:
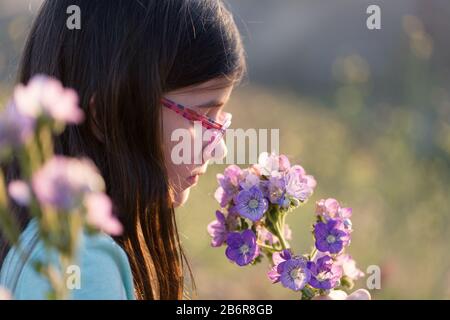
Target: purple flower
[275, 188]
[223, 197]
[218, 230]
[277, 258]
[325, 274]
[330, 237]
[15, 128]
[242, 247]
[290, 270]
[293, 273]
[229, 185]
[251, 203]
[62, 182]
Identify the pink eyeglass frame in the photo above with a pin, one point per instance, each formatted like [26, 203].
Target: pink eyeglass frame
[191, 115]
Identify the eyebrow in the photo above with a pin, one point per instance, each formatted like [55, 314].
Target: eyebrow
[210, 104]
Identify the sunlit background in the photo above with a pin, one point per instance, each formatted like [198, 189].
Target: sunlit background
[367, 112]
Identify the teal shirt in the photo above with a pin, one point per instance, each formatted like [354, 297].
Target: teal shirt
[105, 272]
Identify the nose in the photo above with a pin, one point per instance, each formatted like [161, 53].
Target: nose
[215, 152]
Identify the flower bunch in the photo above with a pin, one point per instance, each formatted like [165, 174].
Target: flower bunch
[65, 195]
[251, 223]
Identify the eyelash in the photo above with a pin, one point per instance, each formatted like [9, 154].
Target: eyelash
[213, 112]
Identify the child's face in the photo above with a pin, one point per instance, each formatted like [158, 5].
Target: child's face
[185, 175]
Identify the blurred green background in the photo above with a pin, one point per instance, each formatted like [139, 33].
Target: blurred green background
[366, 112]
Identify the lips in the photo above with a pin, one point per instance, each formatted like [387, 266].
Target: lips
[193, 179]
[195, 175]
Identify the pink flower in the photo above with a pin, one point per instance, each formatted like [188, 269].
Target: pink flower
[269, 163]
[298, 184]
[284, 163]
[298, 170]
[265, 235]
[331, 209]
[20, 192]
[99, 213]
[62, 182]
[328, 207]
[249, 179]
[348, 266]
[5, 294]
[46, 95]
[360, 294]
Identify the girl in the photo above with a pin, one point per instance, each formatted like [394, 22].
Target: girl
[134, 64]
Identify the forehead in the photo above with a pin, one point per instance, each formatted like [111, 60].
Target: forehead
[217, 84]
[217, 89]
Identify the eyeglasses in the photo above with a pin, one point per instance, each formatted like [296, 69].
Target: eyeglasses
[207, 122]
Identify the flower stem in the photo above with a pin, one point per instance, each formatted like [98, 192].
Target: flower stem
[313, 254]
[279, 230]
[8, 223]
[279, 234]
[264, 246]
[282, 241]
[276, 226]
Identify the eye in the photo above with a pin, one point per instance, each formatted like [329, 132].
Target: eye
[214, 113]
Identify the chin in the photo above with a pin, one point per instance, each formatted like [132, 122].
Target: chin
[181, 198]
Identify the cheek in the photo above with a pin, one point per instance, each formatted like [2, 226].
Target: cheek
[188, 137]
[174, 125]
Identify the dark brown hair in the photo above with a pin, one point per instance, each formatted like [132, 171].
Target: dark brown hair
[127, 54]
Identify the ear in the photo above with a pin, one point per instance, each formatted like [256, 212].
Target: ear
[94, 123]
